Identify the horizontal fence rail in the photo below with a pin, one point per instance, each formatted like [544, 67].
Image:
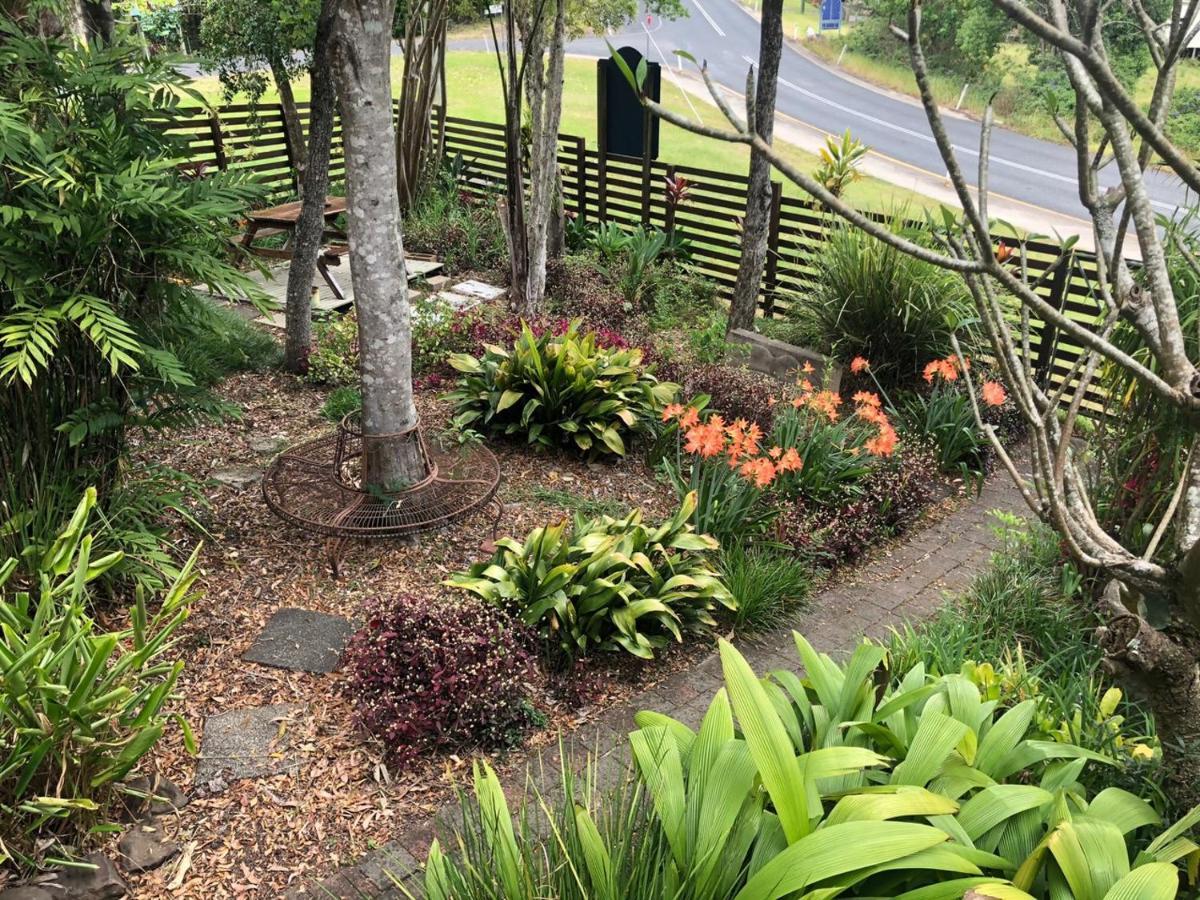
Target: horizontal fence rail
[253, 140]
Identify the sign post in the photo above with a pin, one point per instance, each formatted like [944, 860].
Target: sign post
[831, 15]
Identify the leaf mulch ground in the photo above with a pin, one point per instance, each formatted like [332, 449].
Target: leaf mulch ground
[257, 837]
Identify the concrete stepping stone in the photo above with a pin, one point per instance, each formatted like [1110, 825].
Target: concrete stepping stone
[480, 289]
[244, 743]
[301, 640]
[458, 302]
[237, 477]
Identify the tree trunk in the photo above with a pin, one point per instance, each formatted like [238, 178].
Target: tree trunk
[758, 193]
[424, 52]
[310, 229]
[543, 91]
[1161, 669]
[363, 61]
[291, 122]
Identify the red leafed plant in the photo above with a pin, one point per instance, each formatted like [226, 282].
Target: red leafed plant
[441, 674]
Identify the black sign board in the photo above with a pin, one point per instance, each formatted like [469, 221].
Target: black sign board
[620, 116]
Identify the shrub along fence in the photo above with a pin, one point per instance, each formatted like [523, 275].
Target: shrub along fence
[243, 138]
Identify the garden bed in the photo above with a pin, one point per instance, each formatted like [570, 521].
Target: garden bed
[338, 798]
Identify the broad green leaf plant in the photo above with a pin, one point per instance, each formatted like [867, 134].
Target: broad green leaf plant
[845, 782]
[605, 583]
[79, 707]
[560, 390]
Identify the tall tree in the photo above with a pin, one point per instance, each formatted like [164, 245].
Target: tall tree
[1152, 603]
[757, 220]
[310, 229]
[244, 39]
[362, 56]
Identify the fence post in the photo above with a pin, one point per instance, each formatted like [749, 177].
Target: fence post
[290, 150]
[1049, 333]
[581, 178]
[214, 128]
[771, 272]
[602, 184]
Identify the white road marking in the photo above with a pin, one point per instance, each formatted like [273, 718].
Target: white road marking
[704, 12]
[1013, 164]
[663, 59]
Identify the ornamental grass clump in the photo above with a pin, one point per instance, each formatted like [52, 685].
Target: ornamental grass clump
[434, 675]
[605, 583]
[559, 390]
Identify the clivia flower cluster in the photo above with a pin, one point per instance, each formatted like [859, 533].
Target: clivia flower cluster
[739, 441]
[867, 406]
[948, 370]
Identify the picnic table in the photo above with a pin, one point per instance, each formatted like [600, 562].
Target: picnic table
[273, 220]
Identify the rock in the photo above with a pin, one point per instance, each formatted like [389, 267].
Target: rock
[479, 289]
[26, 892]
[267, 443]
[782, 360]
[142, 848]
[238, 477]
[102, 882]
[301, 640]
[162, 797]
[241, 743]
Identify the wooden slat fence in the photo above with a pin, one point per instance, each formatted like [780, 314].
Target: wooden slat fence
[244, 139]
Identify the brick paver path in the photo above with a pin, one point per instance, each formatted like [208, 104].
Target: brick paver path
[907, 583]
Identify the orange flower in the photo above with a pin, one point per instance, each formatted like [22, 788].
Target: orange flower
[797, 402]
[884, 443]
[771, 401]
[866, 398]
[807, 368]
[805, 385]
[872, 414]
[790, 461]
[994, 393]
[775, 452]
[858, 365]
[1003, 252]
[672, 410]
[760, 471]
[826, 403]
[690, 418]
[941, 368]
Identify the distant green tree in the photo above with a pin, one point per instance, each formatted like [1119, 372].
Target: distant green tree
[248, 41]
[961, 36]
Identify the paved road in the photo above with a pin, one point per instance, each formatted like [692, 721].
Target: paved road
[1036, 172]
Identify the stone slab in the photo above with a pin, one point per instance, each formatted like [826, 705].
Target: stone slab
[480, 289]
[422, 267]
[301, 640]
[782, 360]
[237, 477]
[458, 302]
[99, 882]
[243, 743]
[142, 848]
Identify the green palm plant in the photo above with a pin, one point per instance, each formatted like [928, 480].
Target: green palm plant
[606, 583]
[559, 390]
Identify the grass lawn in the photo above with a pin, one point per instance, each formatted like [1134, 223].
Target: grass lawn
[474, 93]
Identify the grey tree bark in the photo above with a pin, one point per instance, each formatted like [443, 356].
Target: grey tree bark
[310, 229]
[424, 58]
[363, 62]
[543, 93]
[291, 122]
[757, 219]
